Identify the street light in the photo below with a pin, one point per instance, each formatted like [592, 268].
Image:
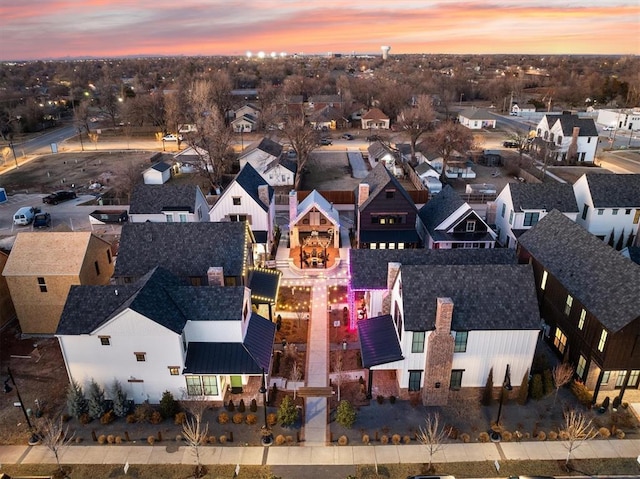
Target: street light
[34, 439]
[506, 386]
[266, 433]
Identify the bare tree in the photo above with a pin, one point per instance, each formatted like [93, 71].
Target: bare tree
[303, 139]
[338, 369]
[577, 429]
[415, 121]
[449, 139]
[432, 435]
[295, 376]
[195, 435]
[55, 437]
[562, 374]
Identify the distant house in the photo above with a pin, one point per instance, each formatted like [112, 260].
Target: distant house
[521, 111]
[378, 152]
[267, 158]
[168, 203]
[192, 159]
[201, 253]
[319, 102]
[375, 119]
[588, 295]
[43, 266]
[519, 206]
[328, 117]
[157, 174]
[448, 222]
[567, 137]
[385, 215]
[160, 335]
[609, 207]
[476, 119]
[250, 199]
[429, 177]
[245, 123]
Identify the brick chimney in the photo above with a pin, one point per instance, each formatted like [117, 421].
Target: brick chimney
[293, 206]
[215, 276]
[363, 193]
[392, 273]
[439, 360]
[263, 194]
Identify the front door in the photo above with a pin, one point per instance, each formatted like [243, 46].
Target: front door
[236, 384]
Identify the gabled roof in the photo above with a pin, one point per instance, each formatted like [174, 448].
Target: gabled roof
[440, 207]
[598, 276]
[326, 114]
[378, 341]
[266, 145]
[485, 297]
[154, 199]
[543, 196]
[375, 114]
[476, 114]
[195, 151]
[568, 122]
[286, 163]
[49, 253]
[614, 191]
[378, 150]
[369, 267]
[209, 303]
[185, 249]
[378, 179]
[316, 199]
[160, 166]
[423, 168]
[250, 180]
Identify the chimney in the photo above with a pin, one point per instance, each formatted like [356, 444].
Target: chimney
[444, 314]
[263, 194]
[363, 193]
[215, 276]
[392, 273]
[293, 206]
[439, 357]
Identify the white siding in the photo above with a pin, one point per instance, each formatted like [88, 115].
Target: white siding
[258, 218]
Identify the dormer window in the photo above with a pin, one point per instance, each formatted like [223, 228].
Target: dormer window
[237, 201]
[471, 226]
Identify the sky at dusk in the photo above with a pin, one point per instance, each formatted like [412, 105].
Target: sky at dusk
[42, 29]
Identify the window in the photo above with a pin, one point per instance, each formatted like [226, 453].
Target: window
[582, 364]
[543, 282]
[606, 375]
[560, 140]
[461, 342]
[633, 378]
[620, 379]
[169, 217]
[105, 340]
[627, 211]
[392, 246]
[504, 209]
[585, 210]
[560, 340]
[210, 385]
[109, 258]
[238, 218]
[583, 316]
[603, 340]
[141, 357]
[174, 370]
[600, 211]
[237, 201]
[400, 245]
[183, 218]
[194, 388]
[42, 284]
[415, 377]
[511, 217]
[531, 219]
[567, 305]
[373, 246]
[615, 211]
[471, 226]
[417, 342]
[97, 266]
[390, 194]
[456, 379]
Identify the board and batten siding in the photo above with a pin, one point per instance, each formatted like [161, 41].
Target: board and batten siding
[257, 217]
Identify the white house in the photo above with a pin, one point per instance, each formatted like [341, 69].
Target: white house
[516, 110]
[159, 335]
[567, 137]
[244, 124]
[249, 198]
[476, 119]
[191, 159]
[375, 119]
[267, 158]
[622, 119]
[444, 330]
[157, 174]
[609, 206]
[519, 206]
[168, 203]
[428, 176]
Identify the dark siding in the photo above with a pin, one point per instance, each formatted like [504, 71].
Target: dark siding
[383, 205]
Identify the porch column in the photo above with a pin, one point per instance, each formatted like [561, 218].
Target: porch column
[370, 385]
[596, 390]
[624, 386]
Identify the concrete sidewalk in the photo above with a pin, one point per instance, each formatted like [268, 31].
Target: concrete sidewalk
[169, 453]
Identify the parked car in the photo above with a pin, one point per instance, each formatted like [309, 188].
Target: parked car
[25, 215]
[347, 136]
[510, 144]
[59, 196]
[326, 141]
[42, 220]
[172, 137]
[609, 128]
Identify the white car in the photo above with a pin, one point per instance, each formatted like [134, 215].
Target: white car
[172, 137]
[609, 128]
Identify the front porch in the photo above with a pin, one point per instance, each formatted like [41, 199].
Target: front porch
[314, 257]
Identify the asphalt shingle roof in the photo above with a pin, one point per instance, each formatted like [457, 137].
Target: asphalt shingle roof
[154, 199]
[185, 249]
[598, 276]
[249, 179]
[546, 196]
[614, 191]
[369, 267]
[476, 114]
[378, 179]
[440, 207]
[485, 297]
[568, 122]
[210, 303]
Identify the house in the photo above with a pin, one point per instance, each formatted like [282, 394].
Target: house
[620, 119]
[589, 301]
[281, 172]
[157, 174]
[203, 253]
[245, 123]
[375, 119]
[476, 119]
[567, 137]
[448, 222]
[247, 109]
[385, 215]
[369, 270]
[457, 166]
[519, 206]
[429, 177]
[327, 118]
[521, 111]
[378, 152]
[168, 203]
[267, 158]
[159, 334]
[446, 330]
[609, 207]
[319, 102]
[43, 266]
[250, 199]
[7, 310]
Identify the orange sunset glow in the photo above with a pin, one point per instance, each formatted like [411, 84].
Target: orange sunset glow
[41, 29]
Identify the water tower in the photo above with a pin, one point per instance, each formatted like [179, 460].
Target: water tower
[385, 51]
